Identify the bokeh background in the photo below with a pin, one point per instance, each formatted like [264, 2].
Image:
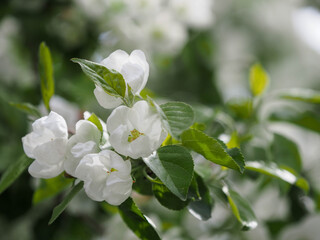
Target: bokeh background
[199, 52]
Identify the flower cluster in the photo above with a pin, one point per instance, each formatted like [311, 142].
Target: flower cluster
[88, 154]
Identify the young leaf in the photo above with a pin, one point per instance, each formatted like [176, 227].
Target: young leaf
[201, 208]
[241, 209]
[95, 120]
[27, 108]
[167, 198]
[212, 150]
[46, 74]
[50, 187]
[110, 81]
[62, 206]
[300, 94]
[242, 108]
[136, 221]
[274, 171]
[259, 79]
[179, 117]
[173, 165]
[13, 172]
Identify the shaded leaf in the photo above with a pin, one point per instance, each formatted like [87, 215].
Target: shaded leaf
[287, 175]
[50, 187]
[301, 94]
[308, 120]
[212, 150]
[259, 79]
[242, 108]
[46, 74]
[286, 152]
[173, 165]
[13, 172]
[167, 198]
[136, 221]
[241, 209]
[27, 108]
[62, 206]
[201, 208]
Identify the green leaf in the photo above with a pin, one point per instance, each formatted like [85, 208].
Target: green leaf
[212, 150]
[27, 108]
[308, 120]
[167, 198]
[50, 187]
[242, 108]
[201, 208]
[46, 74]
[259, 79]
[96, 121]
[193, 193]
[179, 117]
[173, 165]
[286, 174]
[241, 209]
[141, 185]
[111, 81]
[136, 221]
[286, 152]
[62, 206]
[300, 94]
[13, 172]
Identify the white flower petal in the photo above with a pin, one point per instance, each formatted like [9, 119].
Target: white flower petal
[117, 117]
[106, 177]
[134, 76]
[105, 100]
[53, 122]
[40, 170]
[52, 152]
[140, 121]
[85, 141]
[115, 60]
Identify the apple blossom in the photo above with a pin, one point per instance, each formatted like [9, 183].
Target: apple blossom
[106, 177]
[134, 69]
[135, 132]
[47, 145]
[86, 140]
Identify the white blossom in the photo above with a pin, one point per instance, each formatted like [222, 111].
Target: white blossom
[135, 132]
[134, 69]
[106, 177]
[86, 140]
[47, 145]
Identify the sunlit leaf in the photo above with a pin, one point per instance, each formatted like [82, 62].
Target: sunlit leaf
[211, 149]
[173, 165]
[136, 221]
[111, 81]
[179, 117]
[273, 170]
[259, 79]
[95, 120]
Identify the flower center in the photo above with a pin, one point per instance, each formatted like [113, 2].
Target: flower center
[134, 135]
